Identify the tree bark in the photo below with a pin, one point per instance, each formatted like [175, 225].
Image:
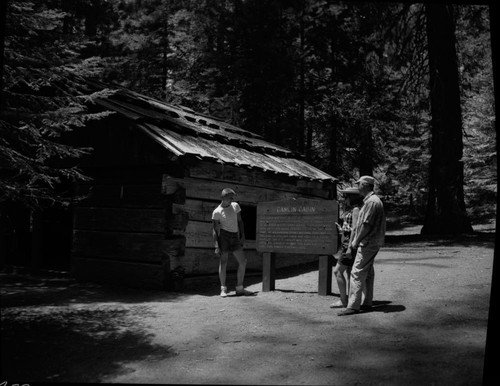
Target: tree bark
[91, 15]
[446, 212]
[366, 153]
[492, 337]
[165, 46]
[302, 96]
[3, 20]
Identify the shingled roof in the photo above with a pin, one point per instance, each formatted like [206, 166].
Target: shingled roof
[185, 132]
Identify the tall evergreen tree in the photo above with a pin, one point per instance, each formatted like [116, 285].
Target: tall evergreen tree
[43, 99]
[446, 205]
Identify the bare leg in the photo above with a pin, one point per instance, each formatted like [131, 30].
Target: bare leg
[342, 282]
[222, 268]
[242, 264]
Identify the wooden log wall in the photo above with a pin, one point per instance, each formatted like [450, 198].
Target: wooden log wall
[138, 226]
[198, 194]
[119, 230]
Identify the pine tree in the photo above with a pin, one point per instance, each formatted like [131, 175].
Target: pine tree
[446, 211]
[43, 99]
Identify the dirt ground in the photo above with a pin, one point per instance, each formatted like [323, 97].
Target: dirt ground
[428, 327]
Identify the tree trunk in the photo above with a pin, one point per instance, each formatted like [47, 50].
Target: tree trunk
[446, 212]
[165, 43]
[365, 160]
[492, 340]
[333, 164]
[302, 102]
[91, 14]
[3, 20]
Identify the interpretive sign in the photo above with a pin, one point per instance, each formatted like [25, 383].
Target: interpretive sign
[297, 226]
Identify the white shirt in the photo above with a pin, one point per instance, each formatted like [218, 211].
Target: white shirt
[228, 216]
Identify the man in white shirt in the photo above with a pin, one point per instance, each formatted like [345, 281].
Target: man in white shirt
[229, 237]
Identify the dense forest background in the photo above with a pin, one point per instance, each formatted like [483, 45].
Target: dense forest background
[346, 84]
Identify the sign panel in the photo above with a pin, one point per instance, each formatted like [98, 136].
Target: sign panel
[297, 226]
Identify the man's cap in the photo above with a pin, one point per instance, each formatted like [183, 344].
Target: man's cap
[350, 191]
[227, 192]
[366, 179]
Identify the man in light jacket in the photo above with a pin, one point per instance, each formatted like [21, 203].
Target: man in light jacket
[369, 235]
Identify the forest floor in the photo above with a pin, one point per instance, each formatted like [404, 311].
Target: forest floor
[428, 326]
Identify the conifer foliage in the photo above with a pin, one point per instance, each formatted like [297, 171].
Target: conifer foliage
[42, 100]
[344, 83]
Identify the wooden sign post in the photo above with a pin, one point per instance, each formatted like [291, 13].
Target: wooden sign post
[297, 226]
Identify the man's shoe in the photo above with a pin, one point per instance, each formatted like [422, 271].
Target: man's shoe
[223, 292]
[348, 311]
[243, 292]
[337, 304]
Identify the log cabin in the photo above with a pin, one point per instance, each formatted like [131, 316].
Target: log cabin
[157, 172]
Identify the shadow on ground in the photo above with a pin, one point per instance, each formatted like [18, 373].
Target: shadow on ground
[476, 238]
[37, 346]
[38, 290]
[209, 285]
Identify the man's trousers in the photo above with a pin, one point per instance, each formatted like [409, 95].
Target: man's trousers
[362, 274]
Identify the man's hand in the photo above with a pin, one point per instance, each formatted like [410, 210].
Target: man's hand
[218, 251]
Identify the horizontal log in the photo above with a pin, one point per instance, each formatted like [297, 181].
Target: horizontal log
[197, 210]
[223, 172]
[156, 276]
[120, 219]
[175, 190]
[125, 196]
[231, 174]
[177, 220]
[204, 261]
[210, 190]
[138, 275]
[125, 246]
[199, 235]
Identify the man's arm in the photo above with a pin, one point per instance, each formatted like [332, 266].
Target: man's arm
[363, 230]
[215, 234]
[355, 215]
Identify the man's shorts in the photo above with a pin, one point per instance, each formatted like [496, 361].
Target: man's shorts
[229, 241]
